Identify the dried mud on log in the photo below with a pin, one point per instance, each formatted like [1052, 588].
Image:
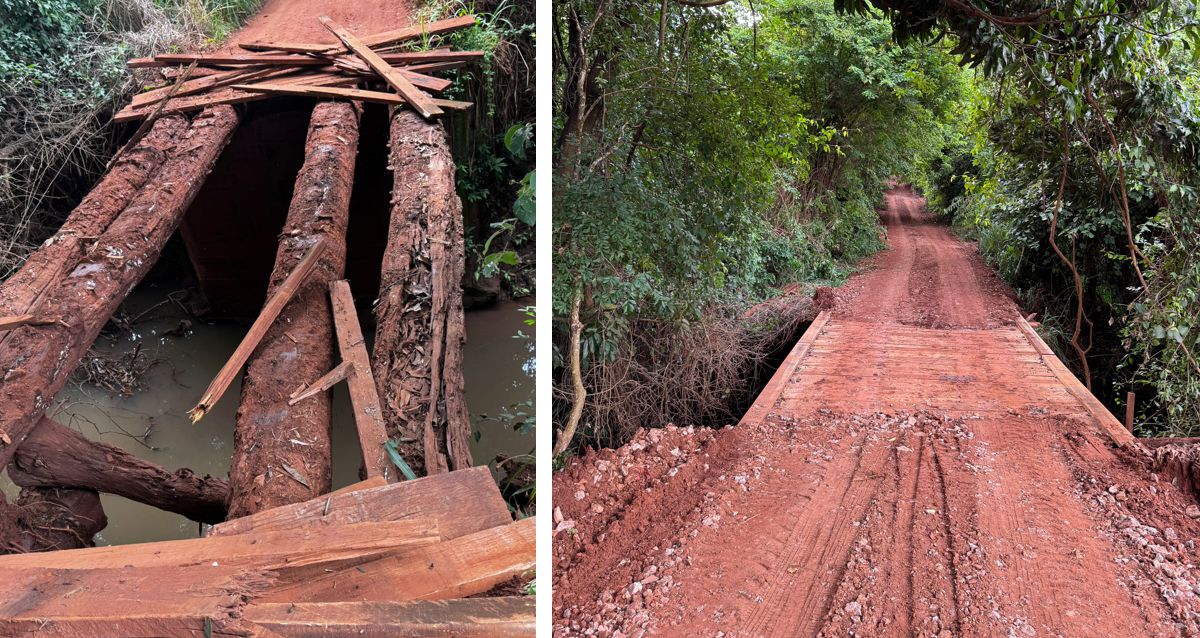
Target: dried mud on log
[269, 470]
[420, 334]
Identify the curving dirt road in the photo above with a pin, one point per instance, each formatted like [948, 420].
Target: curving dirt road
[919, 466]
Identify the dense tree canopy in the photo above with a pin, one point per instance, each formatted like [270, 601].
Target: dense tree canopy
[707, 155]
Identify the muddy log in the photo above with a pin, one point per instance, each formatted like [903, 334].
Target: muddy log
[53, 518]
[419, 334]
[44, 268]
[54, 455]
[282, 453]
[37, 361]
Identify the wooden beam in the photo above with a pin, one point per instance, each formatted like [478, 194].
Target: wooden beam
[359, 95]
[501, 617]
[456, 568]
[420, 102]
[289, 550]
[355, 65]
[268, 315]
[459, 503]
[224, 78]
[1130, 398]
[377, 40]
[328, 380]
[416, 57]
[364, 397]
[1100, 414]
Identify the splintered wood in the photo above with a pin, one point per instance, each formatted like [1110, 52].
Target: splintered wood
[378, 560]
[363, 67]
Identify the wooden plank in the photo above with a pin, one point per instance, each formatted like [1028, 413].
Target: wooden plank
[127, 602]
[224, 78]
[366, 484]
[354, 65]
[228, 96]
[466, 618]
[270, 550]
[327, 381]
[364, 396]
[459, 503]
[1105, 419]
[415, 57]
[211, 59]
[420, 102]
[361, 95]
[456, 568]
[377, 40]
[268, 315]
[771, 392]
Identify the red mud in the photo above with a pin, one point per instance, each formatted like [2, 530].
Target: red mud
[904, 481]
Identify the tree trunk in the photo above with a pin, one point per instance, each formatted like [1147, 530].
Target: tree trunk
[282, 453]
[37, 361]
[419, 334]
[55, 455]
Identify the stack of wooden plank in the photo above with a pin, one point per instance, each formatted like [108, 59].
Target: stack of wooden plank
[374, 559]
[378, 68]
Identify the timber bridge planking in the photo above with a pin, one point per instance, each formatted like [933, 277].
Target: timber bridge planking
[453, 528]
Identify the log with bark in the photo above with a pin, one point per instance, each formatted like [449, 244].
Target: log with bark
[282, 452]
[37, 361]
[54, 455]
[419, 318]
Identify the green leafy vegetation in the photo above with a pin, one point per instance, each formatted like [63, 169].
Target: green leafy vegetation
[703, 159]
[62, 74]
[707, 154]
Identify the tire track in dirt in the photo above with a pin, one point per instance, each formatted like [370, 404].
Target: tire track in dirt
[873, 499]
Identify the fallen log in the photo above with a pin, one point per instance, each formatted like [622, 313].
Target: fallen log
[420, 335]
[271, 434]
[364, 397]
[456, 568]
[468, 618]
[37, 361]
[54, 455]
[459, 503]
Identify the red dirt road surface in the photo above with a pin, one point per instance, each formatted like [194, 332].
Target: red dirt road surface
[919, 466]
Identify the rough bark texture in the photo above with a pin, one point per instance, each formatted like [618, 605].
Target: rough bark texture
[58, 518]
[419, 335]
[282, 454]
[54, 455]
[59, 254]
[37, 361]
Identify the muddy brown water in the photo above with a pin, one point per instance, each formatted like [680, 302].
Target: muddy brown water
[153, 423]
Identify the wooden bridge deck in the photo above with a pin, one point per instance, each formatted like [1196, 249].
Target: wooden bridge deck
[855, 366]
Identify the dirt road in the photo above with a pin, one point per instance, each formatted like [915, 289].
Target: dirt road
[919, 466]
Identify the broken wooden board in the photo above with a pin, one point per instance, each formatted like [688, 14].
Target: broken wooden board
[274, 551]
[228, 96]
[420, 102]
[466, 618]
[268, 315]
[459, 503]
[456, 568]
